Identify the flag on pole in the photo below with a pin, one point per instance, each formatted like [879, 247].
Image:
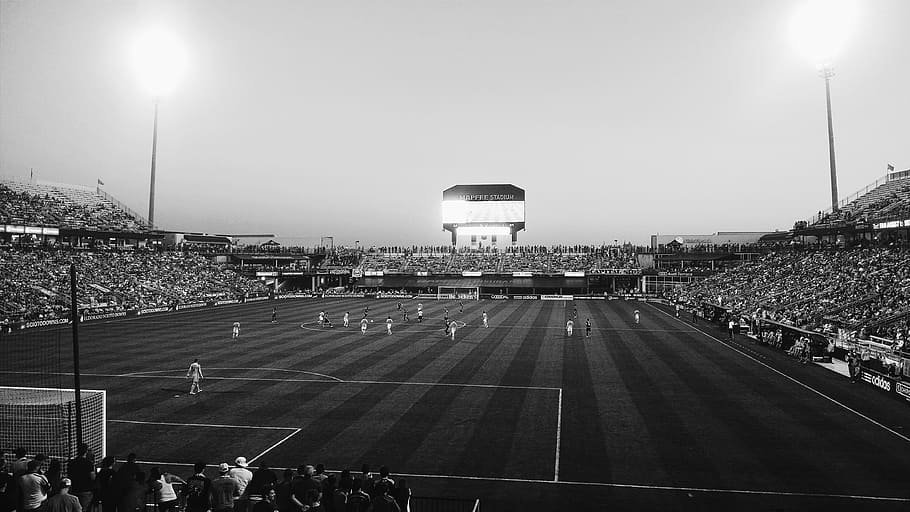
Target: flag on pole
[100, 183]
[890, 167]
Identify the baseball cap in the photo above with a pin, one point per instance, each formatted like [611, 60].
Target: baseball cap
[241, 461]
[223, 467]
[66, 482]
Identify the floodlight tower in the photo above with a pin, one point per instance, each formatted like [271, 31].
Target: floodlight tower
[819, 29]
[160, 60]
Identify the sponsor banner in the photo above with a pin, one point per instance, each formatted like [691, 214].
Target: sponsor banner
[146, 311]
[191, 305]
[340, 272]
[289, 273]
[574, 274]
[880, 381]
[357, 273]
[266, 274]
[373, 273]
[256, 299]
[226, 301]
[471, 273]
[522, 274]
[524, 297]
[446, 296]
[296, 296]
[423, 273]
[393, 295]
[345, 295]
[591, 297]
[101, 316]
[426, 295]
[903, 389]
[556, 297]
[618, 271]
[499, 297]
[42, 323]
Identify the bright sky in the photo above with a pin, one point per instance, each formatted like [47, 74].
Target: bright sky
[349, 118]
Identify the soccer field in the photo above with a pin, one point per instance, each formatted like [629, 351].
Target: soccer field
[663, 414]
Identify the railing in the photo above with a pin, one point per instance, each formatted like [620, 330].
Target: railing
[849, 199]
[122, 206]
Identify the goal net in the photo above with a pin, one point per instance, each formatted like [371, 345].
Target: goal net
[43, 420]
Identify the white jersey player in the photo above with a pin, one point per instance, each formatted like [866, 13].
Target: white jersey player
[452, 328]
[388, 325]
[486, 322]
[195, 373]
[321, 318]
[235, 332]
[363, 325]
[637, 317]
[570, 325]
[347, 318]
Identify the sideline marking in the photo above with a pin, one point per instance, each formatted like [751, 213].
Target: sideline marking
[270, 448]
[810, 388]
[617, 485]
[215, 425]
[558, 436]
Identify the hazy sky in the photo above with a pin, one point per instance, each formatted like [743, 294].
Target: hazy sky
[349, 118]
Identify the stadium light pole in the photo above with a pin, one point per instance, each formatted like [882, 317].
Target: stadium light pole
[819, 29]
[160, 61]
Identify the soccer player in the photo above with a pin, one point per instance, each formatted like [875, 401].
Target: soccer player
[274, 315]
[388, 325]
[452, 328]
[570, 325]
[694, 316]
[363, 325]
[485, 320]
[347, 318]
[575, 312]
[399, 305]
[195, 373]
[731, 326]
[404, 315]
[677, 310]
[637, 317]
[445, 316]
[235, 332]
[419, 316]
[587, 328]
[321, 318]
[461, 306]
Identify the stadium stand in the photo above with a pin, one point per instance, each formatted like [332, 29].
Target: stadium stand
[36, 282]
[866, 290]
[40, 203]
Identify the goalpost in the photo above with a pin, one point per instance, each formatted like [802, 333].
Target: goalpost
[43, 420]
[458, 292]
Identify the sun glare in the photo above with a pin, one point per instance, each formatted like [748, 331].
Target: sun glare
[819, 28]
[160, 61]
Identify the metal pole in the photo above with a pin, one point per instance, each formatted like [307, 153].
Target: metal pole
[827, 73]
[74, 309]
[152, 184]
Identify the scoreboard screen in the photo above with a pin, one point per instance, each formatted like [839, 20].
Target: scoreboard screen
[468, 212]
[483, 204]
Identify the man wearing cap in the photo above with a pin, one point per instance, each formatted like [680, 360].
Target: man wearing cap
[63, 501]
[224, 490]
[243, 476]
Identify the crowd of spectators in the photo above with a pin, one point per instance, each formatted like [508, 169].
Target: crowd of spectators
[64, 207]
[863, 290]
[36, 282]
[41, 485]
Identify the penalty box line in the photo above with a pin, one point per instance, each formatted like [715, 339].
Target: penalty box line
[615, 485]
[294, 430]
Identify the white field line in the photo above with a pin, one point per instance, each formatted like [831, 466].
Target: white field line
[270, 448]
[558, 437]
[710, 490]
[806, 386]
[150, 375]
[214, 425]
[131, 374]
